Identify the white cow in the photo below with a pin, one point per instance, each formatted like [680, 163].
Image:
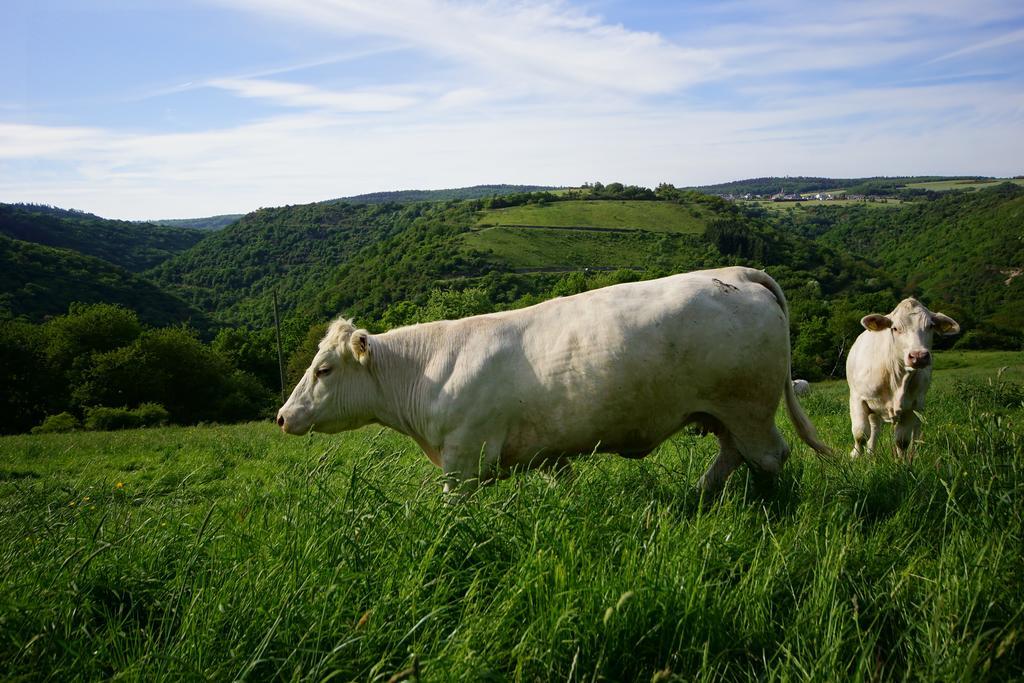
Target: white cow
[618, 369]
[889, 370]
[802, 387]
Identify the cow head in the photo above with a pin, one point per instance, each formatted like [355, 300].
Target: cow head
[912, 328]
[331, 396]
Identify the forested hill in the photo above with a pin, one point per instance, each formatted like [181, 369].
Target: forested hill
[132, 246]
[961, 251]
[292, 249]
[207, 223]
[37, 282]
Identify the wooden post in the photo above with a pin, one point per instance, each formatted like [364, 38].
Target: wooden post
[280, 361]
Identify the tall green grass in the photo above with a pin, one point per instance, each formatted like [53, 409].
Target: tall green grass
[236, 552]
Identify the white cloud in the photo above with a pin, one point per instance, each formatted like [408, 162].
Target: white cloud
[27, 141]
[548, 44]
[306, 96]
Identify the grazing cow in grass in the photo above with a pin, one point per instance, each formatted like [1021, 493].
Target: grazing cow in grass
[889, 370]
[801, 387]
[618, 369]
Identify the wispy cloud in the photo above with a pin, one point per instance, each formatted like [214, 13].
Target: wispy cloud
[999, 41]
[548, 43]
[306, 96]
[258, 74]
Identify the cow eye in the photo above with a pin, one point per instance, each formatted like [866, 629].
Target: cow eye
[896, 329]
[323, 370]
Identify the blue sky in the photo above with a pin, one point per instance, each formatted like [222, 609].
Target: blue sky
[151, 109]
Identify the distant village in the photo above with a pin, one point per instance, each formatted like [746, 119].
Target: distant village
[783, 196]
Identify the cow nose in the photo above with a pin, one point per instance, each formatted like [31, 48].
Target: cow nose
[920, 359]
[280, 420]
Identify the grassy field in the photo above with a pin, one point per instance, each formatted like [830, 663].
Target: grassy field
[785, 206]
[578, 234]
[544, 248]
[941, 185]
[638, 215]
[239, 553]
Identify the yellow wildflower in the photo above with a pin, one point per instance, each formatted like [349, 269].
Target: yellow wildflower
[119, 485]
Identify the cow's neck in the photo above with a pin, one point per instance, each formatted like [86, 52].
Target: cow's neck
[903, 383]
[400, 363]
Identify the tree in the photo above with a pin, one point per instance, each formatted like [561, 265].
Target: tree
[32, 386]
[88, 329]
[170, 366]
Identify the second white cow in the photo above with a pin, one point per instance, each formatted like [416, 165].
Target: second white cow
[889, 370]
[618, 369]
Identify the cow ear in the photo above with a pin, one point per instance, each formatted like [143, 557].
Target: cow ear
[359, 343]
[875, 322]
[945, 325]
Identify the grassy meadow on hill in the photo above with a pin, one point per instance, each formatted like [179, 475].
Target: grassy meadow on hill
[234, 552]
[607, 214]
[587, 234]
[779, 207]
[964, 184]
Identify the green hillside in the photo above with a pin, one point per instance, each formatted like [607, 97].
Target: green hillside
[132, 246]
[595, 234]
[801, 184]
[967, 185]
[292, 249]
[961, 252]
[576, 249]
[38, 281]
[652, 216]
[207, 223]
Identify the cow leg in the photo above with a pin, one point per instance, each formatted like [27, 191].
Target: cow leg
[904, 433]
[761, 446]
[466, 466]
[875, 427]
[860, 423]
[728, 460]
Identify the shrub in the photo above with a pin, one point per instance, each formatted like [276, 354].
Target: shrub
[152, 415]
[102, 418]
[989, 339]
[170, 366]
[55, 424]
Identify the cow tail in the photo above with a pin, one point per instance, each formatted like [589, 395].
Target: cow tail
[802, 423]
[804, 428]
